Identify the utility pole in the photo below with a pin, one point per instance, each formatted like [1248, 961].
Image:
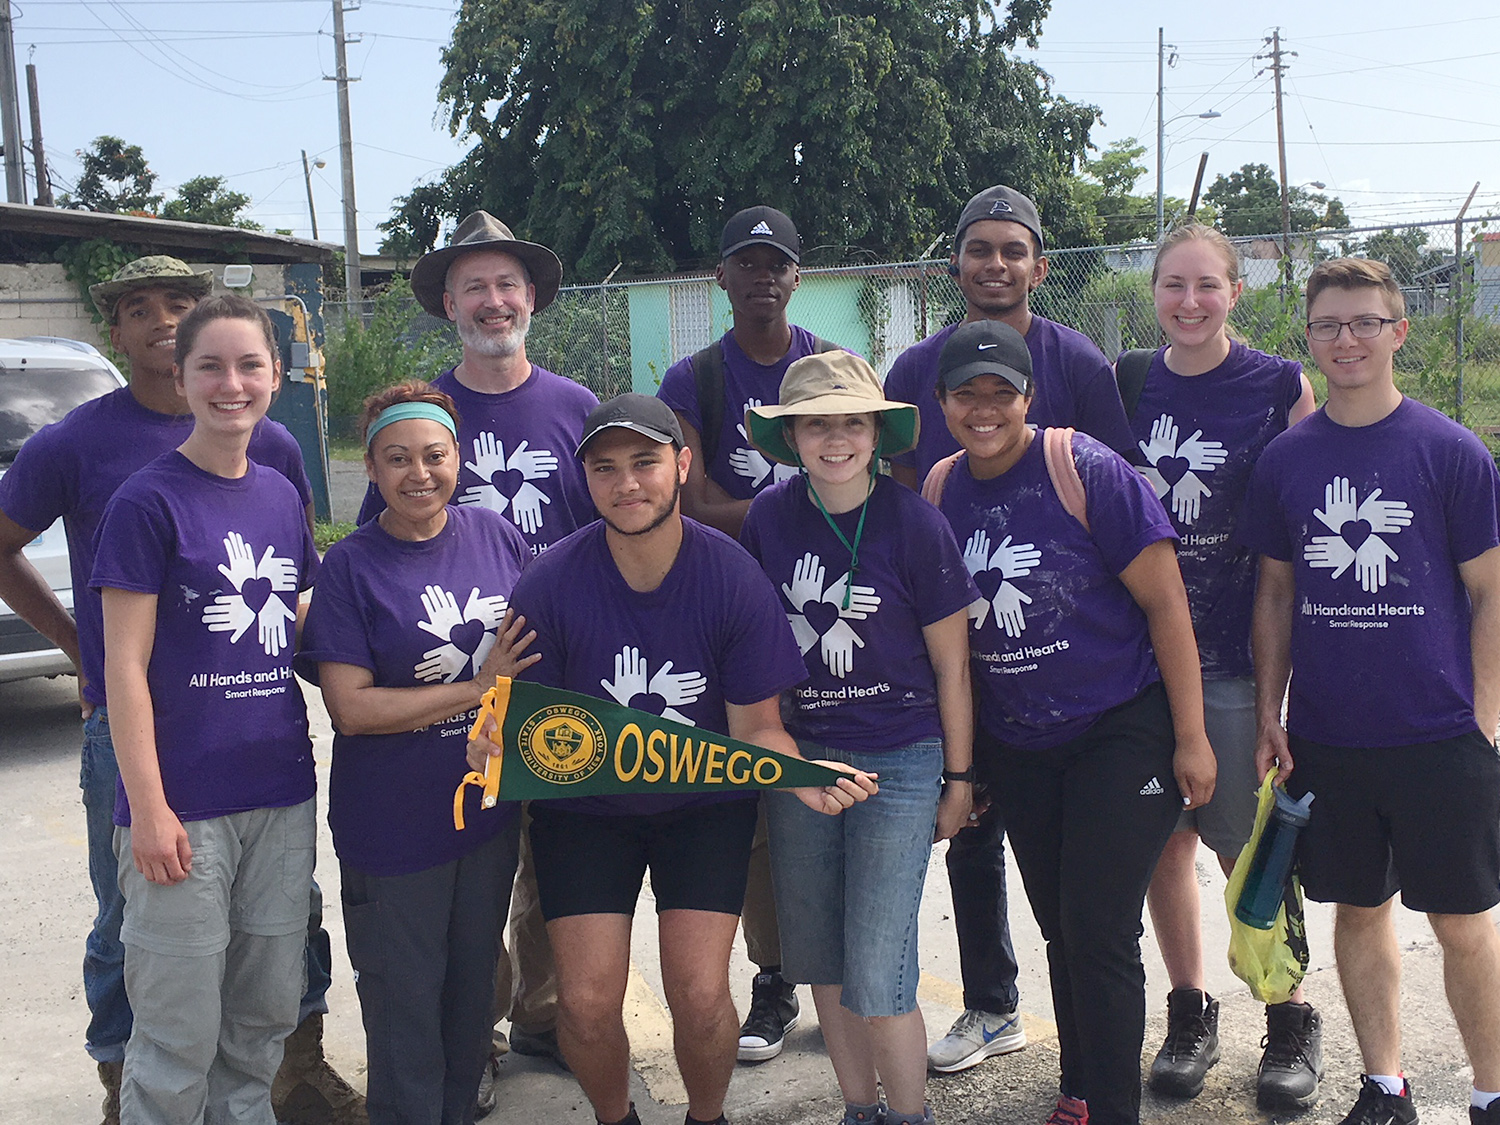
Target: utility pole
[1161, 128]
[38, 153]
[352, 275]
[1276, 67]
[10, 110]
[307, 179]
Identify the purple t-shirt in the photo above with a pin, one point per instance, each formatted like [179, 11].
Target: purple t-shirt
[413, 614]
[872, 686]
[1375, 521]
[712, 633]
[1197, 438]
[1057, 639]
[225, 559]
[516, 449]
[70, 469]
[1075, 386]
[738, 467]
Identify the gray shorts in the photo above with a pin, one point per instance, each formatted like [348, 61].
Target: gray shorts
[1224, 823]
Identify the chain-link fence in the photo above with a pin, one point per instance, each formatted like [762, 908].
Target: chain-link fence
[624, 336]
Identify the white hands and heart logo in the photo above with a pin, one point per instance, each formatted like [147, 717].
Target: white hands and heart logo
[820, 617]
[467, 635]
[1176, 467]
[660, 694]
[1012, 560]
[1357, 529]
[507, 480]
[254, 601]
[752, 464]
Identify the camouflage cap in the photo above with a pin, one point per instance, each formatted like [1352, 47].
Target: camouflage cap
[144, 273]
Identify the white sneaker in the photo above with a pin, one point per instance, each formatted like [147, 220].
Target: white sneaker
[974, 1037]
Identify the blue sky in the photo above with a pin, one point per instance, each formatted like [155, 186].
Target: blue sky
[1398, 115]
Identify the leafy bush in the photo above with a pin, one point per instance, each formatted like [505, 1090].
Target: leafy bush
[392, 347]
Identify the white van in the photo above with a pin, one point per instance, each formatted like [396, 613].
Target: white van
[41, 379]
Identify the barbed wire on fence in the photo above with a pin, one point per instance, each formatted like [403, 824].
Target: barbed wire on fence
[624, 335]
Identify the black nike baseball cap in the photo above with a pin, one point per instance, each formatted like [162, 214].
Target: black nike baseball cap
[985, 347]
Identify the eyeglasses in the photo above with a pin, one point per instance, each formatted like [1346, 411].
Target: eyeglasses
[1361, 328]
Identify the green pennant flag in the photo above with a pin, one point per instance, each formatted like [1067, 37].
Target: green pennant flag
[562, 744]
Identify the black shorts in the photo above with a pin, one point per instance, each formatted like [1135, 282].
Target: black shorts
[1423, 819]
[590, 864]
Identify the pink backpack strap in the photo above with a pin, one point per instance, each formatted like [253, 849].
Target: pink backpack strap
[1057, 449]
[937, 479]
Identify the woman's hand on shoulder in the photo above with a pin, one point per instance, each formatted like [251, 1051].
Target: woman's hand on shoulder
[508, 656]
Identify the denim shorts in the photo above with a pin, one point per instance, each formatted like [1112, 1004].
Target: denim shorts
[848, 887]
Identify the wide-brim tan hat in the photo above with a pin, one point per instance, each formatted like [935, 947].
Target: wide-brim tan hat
[834, 382]
[153, 271]
[482, 231]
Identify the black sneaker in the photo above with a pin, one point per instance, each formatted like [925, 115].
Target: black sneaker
[1292, 1063]
[1489, 1115]
[1191, 1045]
[773, 1012]
[1376, 1107]
[537, 1044]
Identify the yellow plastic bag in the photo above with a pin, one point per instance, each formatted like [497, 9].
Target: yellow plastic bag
[1272, 962]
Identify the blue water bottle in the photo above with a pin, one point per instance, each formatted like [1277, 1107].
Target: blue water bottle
[1271, 867]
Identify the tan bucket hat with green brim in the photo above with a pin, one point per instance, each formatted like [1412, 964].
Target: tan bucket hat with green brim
[833, 382]
[154, 271]
[482, 231]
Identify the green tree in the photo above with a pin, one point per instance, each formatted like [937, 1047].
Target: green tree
[1249, 202]
[115, 178]
[1406, 252]
[870, 121]
[205, 199]
[1103, 191]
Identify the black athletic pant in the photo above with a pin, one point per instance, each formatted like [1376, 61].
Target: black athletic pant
[1088, 820]
[981, 914]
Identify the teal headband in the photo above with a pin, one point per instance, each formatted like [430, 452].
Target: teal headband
[404, 410]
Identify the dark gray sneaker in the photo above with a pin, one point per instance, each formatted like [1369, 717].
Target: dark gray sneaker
[1489, 1115]
[1292, 1064]
[773, 1012]
[1375, 1107]
[537, 1044]
[1191, 1045]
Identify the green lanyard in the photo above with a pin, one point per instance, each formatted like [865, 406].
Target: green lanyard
[859, 528]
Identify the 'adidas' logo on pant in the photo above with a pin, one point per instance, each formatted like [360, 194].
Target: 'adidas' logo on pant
[1152, 788]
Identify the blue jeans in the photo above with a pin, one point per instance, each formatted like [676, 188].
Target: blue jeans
[848, 887]
[110, 1017]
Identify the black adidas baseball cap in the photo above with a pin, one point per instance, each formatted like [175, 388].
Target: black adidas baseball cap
[985, 347]
[1003, 203]
[761, 225]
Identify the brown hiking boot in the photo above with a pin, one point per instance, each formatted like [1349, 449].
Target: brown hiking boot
[109, 1078]
[308, 1091]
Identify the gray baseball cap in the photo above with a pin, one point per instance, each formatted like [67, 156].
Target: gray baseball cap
[1003, 203]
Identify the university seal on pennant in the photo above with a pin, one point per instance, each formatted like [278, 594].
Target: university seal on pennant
[562, 744]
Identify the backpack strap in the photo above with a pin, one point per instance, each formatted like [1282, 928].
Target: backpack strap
[708, 376]
[937, 479]
[1057, 450]
[1130, 376]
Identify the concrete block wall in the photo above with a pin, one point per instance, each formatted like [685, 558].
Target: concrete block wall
[39, 300]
